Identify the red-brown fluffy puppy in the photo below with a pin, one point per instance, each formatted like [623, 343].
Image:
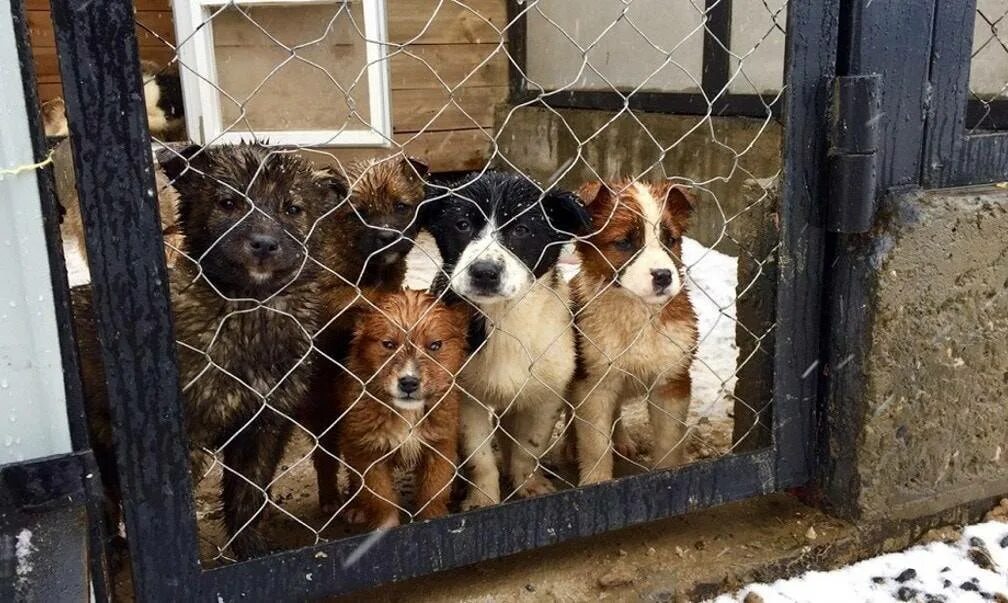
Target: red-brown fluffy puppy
[404, 411]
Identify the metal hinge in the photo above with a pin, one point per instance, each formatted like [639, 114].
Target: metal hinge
[854, 135]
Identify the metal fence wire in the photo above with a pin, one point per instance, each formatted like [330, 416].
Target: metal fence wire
[396, 300]
[988, 75]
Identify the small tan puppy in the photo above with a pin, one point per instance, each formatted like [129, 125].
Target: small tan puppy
[638, 330]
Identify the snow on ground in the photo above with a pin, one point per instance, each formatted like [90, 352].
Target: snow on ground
[76, 265]
[23, 550]
[935, 572]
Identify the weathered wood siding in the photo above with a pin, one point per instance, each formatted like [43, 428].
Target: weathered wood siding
[448, 72]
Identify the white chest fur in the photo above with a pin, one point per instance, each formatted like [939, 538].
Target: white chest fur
[621, 331]
[404, 435]
[529, 346]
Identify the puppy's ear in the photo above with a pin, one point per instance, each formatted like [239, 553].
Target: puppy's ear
[566, 212]
[680, 200]
[334, 181]
[679, 203]
[176, 164]
[414, 168]
[594, 193]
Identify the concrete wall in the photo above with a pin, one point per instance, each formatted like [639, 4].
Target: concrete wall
[989, 69]
[927, 429]
[716, 156]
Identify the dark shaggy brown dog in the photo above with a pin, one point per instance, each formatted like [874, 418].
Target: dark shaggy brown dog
[407, 352]
[242, 315]
[362, 246]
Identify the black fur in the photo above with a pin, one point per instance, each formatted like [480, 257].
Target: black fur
[511, 200]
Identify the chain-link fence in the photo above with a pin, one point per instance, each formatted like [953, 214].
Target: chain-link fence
[988, 100]
[435, 256]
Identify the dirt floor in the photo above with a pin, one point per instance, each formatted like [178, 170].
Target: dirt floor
[296, 520]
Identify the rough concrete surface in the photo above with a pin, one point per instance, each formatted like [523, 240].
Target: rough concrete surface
[716, 155]
[935, 430]
[688, 558]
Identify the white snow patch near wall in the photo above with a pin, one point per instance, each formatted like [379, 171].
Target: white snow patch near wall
[941, 570]
[76, 265]
[23, 549]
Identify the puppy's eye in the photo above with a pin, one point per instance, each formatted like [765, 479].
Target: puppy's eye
[463, 225]
[401, 208]
[623, 244]
[227, 203]
[520, 231]
[434, 346]
[388, 344]
[293, 210]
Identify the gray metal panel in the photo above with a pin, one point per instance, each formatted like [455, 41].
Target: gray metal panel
[33, 417]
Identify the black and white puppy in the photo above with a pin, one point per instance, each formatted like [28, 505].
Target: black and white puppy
[500, 236]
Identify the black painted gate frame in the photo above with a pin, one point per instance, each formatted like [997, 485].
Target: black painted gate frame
[112, 157]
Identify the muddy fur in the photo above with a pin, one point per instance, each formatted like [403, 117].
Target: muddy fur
[246, 308]
[362, 246]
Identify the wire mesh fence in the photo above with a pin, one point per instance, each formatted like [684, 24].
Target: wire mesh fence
[988, 73]
[398, 296]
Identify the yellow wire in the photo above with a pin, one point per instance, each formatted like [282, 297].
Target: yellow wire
[27, 167]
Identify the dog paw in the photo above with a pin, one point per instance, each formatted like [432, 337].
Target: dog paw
[355, 516]
[593, 477]
[627, 448]
[476, 500]
[536, 485]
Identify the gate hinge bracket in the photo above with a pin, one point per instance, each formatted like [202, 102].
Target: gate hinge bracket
[854, 135]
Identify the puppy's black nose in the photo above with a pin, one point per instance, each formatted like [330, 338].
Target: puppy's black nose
[409, 384]
[485, 274]
[263, 246]
[385, 237]
[661, 278]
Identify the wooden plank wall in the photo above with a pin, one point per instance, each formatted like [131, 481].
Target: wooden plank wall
[155, 35]
[448, 72]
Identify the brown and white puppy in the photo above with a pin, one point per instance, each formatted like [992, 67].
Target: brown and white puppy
[637, 326]
[162, 91]
[404, 412]
[362, 247]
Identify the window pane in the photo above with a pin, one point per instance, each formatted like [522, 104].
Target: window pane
[652, 44]
[263, 53]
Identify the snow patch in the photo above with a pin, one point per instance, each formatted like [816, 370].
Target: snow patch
[943, 571]
[23, 549]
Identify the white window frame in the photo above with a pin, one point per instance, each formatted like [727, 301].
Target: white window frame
[198, 71]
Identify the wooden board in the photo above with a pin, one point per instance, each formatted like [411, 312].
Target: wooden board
[154, 29]
[424, 22]
[413, 110]
[477, 64]
[47, 66]
[455, 150]
[138, 5]
[457, 43]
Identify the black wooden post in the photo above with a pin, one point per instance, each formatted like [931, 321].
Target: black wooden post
[811, 54]
[100, 69]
